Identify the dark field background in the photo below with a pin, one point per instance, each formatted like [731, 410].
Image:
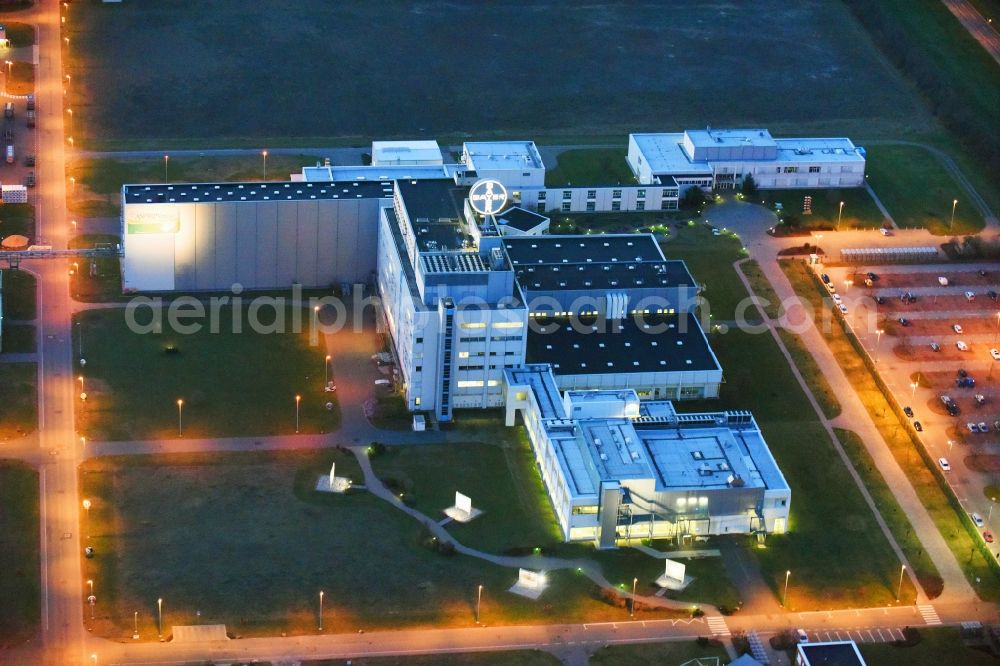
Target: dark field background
[226, 71]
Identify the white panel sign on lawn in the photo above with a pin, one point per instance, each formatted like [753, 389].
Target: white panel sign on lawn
[333, 468]
[674, 570]
[463, 503]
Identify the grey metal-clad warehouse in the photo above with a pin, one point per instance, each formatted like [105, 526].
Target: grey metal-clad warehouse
[258, 235]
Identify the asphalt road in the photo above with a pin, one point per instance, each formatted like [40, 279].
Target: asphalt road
[977, 25]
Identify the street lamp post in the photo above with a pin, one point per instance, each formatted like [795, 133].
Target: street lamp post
[79, 330]
[264, 154]
[632, 605]
[180, 417]
[72, 185]
[989, 514]
[479, 601]
[951, 224]
[159, 617]
[878, 339]
[899, 588]
[840, 212]
[321, 610]
[166, 168]
[86, 508]
[135, 626]
[298, 401]
[847, 285]
[326, 371]
[784, 595]
[913, 393]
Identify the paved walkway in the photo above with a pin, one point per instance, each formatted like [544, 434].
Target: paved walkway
[881, 207]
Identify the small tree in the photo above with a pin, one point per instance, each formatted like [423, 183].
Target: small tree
[693, 198]
[749, 188]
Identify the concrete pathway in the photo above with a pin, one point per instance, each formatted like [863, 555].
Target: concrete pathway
[881, 207]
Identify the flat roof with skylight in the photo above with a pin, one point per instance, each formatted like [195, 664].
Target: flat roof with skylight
[503, 155]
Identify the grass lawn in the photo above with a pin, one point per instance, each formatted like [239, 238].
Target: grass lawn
[658, 654]
[894, 516]
[19, 34]
[760, 286]
[903, 447]
[860, 210]
[96, 280]
[917, 190]
[231, 383]
[811, 372]
[615, 223]
[19, 339]
[210, 65]
[18, 406]
[97, 192]
[17, 219]
[709, 259]
[937, 646]
[505, 658]
[835, 550]
[590, 166]
[19, 554]
[245, 539]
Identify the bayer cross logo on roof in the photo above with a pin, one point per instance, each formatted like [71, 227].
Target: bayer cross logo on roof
[488, 197]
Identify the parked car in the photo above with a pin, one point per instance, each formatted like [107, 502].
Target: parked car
[880, 300]
[382, 382]
[904, 321]
[965, 382]
[801, 636]
[953, 409]
[843, 308]
[29, 180]
[992, 294]
[962, 372]
[977, 519]
[830, 288]
[935, 346]
[885, 232]
[980, 399]
[995, 353]
[945, 465]
[872, 276]
[962, 346]
[29, 160]
[970, 296]
[825, 278]
[917, 426]
[908, 411]
[957, 328]
[973, 428]
[983, 427]
[837, 298]
[988, 536]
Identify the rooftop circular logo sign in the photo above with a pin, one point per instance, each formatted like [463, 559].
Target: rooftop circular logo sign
[488, 197]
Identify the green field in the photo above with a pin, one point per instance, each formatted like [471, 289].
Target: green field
[98, 181]
[210, 68]
[18, 394]
[936, 646]
[811, 373]
[19, 339]
[96, 280]
[17, 219]
[918, 192]
[903, 447]
[231, 383]
[594, 166]
[19, 34]
[245, 539]
[506, 658]
[20, 586]
[860, 210]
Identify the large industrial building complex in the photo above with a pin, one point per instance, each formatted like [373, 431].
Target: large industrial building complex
[588, 337]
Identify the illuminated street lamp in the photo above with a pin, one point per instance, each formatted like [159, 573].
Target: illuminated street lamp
[10, 63]
[90, 583]
[264, 154]
[321, 610]
[72, 185]
[326, 371]
[298, 401]
[784, 595]
[180, 417]
[159, 617]
[914, 386]
[166, 168]
[73, 222]
[840, 212]
[954, 203]
[479, 601]
[990, 512]
[632, 605]
[899, 588]
[135, 626]
[847, 285]
[878, 339]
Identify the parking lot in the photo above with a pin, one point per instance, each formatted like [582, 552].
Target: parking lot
[24, 145]
[935, 331]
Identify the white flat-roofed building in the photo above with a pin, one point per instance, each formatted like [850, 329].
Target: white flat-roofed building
[399, 153]
[619, 470]
[389, 172]
[516, 164]
[722, 158]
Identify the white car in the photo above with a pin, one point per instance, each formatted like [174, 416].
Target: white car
[945, 465]
[830, 288]
[885, 232]
[801, 635]
[962, 346]
[977, 519]
[382, 382]
[972, 427]
[843, 308]
[957, 328]
[995, 353]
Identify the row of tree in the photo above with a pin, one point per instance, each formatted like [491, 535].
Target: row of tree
[908, 52]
